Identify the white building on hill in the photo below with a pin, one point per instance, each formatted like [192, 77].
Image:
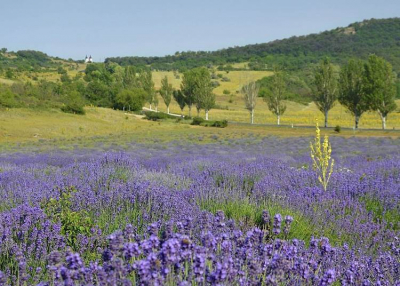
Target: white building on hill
[88, 60]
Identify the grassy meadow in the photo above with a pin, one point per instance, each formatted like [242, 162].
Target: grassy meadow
[231, 106]
[101, 127]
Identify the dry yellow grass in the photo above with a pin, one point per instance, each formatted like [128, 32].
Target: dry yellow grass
[26, 125]
[52, 128]
[296, 114]
[6, 81]
[243, 65]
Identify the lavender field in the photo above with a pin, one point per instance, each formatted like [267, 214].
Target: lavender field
[241, 213]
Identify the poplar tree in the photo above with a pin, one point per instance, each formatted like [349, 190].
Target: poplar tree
[180, 99]
[188, 88]
[146, 82]
[351, 93]
[129, 78]
[276, 94]
[203, 90]
[166, 92]
[250, 94]
[379, 87]
[325, 84]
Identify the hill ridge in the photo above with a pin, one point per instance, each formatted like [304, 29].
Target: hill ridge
[358, 39]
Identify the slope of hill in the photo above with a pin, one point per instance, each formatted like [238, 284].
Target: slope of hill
[378, 36]
[26, 60]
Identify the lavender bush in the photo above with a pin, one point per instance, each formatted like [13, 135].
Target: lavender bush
[246, 213]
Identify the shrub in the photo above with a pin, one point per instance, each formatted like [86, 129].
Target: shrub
[74, 103]
[73, 223]
[337, 129]
[73, 108]
[197, 121]
[9, 74]
[215, 83]
[225, 79]
[226, 92]
[200, 121]
[156, 116]
[7, 99]
[220, 124]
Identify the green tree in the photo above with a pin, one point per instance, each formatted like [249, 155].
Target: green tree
[99, 93]
[98, 71]
[180, 99]
[250, 94]
[203, 90]
[379, 87]
[351, 93]
[130, 79]
[155, 101]
[398, 88]
[276, 93]
[188, 88]
[146, 82]
[166, 92]
[73, 103]
[325, 84]
[130, 99]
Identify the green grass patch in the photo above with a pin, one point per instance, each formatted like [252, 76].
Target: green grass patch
[250, 214]
[380, 214]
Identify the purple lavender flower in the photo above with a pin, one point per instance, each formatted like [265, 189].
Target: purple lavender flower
[277, 224]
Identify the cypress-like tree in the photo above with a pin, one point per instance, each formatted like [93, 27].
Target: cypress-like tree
[379, 87]
[250, 94]
[180, 99]
[203, 90]
[188, 88]
[166, 92]
[146, 82]
[325, 84]
[276, 94]
[130, 79]
[351, 92]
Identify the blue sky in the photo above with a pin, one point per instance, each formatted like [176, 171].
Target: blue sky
[74, 28]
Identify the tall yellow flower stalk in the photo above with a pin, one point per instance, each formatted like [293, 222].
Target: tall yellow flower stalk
[321, 157]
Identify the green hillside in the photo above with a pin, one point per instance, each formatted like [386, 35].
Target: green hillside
[27, 60]
[378, 36]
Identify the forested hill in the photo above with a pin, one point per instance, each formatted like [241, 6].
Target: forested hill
[378, 36]
[28, 60]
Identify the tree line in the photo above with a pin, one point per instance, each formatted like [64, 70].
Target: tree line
[359, 85]
[110, 85]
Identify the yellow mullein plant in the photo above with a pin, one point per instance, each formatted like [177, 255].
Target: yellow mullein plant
[321, 157]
